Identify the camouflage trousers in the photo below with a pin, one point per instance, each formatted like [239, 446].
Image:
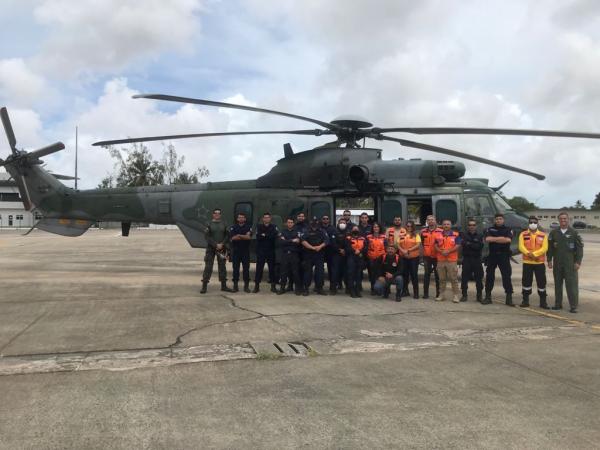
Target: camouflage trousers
[209, 259]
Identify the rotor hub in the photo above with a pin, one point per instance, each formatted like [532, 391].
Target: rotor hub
[351, 121]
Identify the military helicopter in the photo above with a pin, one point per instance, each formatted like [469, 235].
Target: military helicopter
[313, 181]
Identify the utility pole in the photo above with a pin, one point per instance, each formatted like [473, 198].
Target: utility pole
[76, 150]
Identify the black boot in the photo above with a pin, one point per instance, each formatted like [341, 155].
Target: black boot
[464, 297]
[282, 289]
[305, 292]
[224, 287]
[247, 287]
[204, 286]
[386, 292]
[352, 292]
[479, 296]
[256, 288]
[543, 302]
[488, 299]
[320, 291]
[235, 286]
[398, 296]
[273, 287]
[332, 289]
[508, 301]
[525, 302]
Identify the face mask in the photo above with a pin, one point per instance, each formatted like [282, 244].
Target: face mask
[342, 226]
[533, 226]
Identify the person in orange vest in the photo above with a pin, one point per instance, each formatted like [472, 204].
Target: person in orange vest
[356, 250]
[533, 245]
[389, 270]
[377, 243]
[447, 245]
[428, 237]
[409, 246]
[396, 230]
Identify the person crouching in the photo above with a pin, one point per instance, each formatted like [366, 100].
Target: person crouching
[389, 271]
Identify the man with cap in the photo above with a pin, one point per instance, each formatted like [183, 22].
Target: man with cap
[498, 238]
[216, 240]
[314, 241]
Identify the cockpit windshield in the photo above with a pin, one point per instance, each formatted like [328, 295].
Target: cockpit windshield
[501, 204]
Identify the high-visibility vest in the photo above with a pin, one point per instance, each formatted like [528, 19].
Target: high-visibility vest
[428, 238]
[376, 246]
[408, 241]
[533, 242]
[392, 234]
[357, 243]
[446, 242]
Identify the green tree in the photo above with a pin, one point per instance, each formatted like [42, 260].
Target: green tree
[578, 205]
[521, 204]
[135, 166]
[596, 203]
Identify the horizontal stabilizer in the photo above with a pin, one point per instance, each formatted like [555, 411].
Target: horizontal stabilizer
[64, 227]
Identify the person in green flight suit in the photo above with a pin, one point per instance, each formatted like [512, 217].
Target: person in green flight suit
[216, 239]
[565, 252]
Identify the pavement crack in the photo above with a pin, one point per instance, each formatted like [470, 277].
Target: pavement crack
[539, 372]
[20, 333]
[178, 339]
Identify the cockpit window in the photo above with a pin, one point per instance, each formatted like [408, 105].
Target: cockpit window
[501, 204]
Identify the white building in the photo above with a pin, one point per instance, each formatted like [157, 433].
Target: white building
[12, 212]
[547, 217]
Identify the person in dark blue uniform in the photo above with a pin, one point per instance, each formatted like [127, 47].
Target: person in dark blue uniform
[472, 245]
[314, 241]
[330, 253]
[300, 227]
[239, 236]
[289, 243]
[364, 227]
[498, 238]
[340, 254]
[266, 234]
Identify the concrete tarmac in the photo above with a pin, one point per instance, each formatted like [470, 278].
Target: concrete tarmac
[105, 342]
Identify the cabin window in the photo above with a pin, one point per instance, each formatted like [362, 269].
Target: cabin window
[243, 207]
[478, 205]
[389, 210]
[10, 221]
[446, 209]
[320, 209]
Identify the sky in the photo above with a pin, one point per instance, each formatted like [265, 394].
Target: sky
[504, 64]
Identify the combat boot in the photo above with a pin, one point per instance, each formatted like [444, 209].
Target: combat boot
[235, 286]
[224, 287]
[320, 291]
[386, 292]
[332, 289]
[247, 287]
[488, 299]
[479, 296]
[464, 297]
[525, 302]
[256, 288]
[398, 296]
[543, 302]
[508, 301]
[204, 286]
[273, 287]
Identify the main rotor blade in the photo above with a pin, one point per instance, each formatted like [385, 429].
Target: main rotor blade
[496, 131]
[197, 135]
[52, 148]
[12, 141]
[172, 98]
[446, 151]
[59, 176]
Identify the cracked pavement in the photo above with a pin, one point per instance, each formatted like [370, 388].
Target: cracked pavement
[105, 342]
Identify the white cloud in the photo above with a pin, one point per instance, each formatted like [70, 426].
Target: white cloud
[108, 35]
[19, 85]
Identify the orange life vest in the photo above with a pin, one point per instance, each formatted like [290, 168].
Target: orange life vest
[391, 236]
[533, 242]
[446, 242]
[408, 241]
[357, 243]
[376, 246]
[428, 238]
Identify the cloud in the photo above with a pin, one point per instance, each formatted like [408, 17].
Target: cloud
[89, 36]
[19, 85]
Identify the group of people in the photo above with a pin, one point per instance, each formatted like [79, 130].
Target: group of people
[296, 257]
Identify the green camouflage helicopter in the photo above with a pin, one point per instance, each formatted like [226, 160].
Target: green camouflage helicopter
[313, 181]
